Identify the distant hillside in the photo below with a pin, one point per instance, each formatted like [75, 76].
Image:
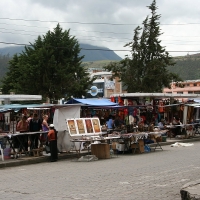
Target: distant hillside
[96, 64]
[92, 53]
[100, 53]
[188, 67]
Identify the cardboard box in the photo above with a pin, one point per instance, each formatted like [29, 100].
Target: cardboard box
[138, 148]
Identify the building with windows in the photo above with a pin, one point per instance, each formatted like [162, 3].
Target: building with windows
[185, 87]
[104, 85]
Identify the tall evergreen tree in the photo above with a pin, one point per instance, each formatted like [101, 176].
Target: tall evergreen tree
[50, 67]
[146, 69]
[4, 59]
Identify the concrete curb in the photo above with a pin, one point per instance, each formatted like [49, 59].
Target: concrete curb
[191, 191]
[41, 159]
[35, 160]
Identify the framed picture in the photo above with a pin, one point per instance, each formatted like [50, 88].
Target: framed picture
[72, 126]
[88, 124]
[96, 125]
[80, 126]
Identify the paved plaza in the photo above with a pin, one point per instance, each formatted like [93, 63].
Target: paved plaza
[156, 175]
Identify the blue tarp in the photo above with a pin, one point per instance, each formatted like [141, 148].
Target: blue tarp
[19, 106]
[92, 102]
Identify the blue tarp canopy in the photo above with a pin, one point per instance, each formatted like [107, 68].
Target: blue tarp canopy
[92, 102]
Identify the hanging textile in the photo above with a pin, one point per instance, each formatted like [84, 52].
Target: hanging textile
[120, 101]
[160, 107]
[126, 102]
[130, 102]
[112, 99]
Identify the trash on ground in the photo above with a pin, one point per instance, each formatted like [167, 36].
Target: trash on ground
[179, 144]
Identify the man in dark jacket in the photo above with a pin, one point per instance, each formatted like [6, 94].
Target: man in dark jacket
[35, 125]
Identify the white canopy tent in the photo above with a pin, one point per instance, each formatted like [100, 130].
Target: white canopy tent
[63, 113]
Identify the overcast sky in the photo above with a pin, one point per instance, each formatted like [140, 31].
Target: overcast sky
[21, 21]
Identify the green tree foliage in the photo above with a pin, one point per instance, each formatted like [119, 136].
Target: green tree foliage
[50, 67]
[146, 69]
[4, 59]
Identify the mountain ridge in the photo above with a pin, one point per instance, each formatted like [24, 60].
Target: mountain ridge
[187, 67]
[91, 52]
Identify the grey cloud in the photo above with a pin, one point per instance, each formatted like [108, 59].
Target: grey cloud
[93, 11]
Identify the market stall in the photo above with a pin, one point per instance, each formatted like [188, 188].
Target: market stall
[15, 142]
[75, 130]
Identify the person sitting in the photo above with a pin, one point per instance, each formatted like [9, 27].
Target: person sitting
[166, 121]
[161, 124]
[118, 122]
[109, 122]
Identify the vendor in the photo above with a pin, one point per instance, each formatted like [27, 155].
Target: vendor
[52, 138]
[118, 123]
[110, 122]
[161, 124]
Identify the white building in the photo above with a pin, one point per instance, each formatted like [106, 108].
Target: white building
[104, 86]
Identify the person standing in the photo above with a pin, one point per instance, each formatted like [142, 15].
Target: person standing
[22, 127]
[45, 127]
[52, 138]
[30, 117]
[35, 125]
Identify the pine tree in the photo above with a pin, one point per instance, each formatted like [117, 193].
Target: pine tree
[51, 67]
[146, 69]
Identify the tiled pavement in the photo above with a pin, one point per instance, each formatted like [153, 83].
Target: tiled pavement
[156, 175]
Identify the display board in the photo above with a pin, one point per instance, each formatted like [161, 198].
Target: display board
[83, 126]
[72, 126]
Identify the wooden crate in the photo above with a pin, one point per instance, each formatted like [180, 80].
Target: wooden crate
[101, 151]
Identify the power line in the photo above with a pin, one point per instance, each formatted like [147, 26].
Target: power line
[103, 32]
[91, 36]
[98, 23]
[90, 49]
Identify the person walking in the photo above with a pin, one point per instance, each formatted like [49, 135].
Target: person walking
[52, 138]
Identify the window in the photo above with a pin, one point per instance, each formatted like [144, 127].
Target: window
[197, 92]
[190, 92]
[195, 84]
[179, 92]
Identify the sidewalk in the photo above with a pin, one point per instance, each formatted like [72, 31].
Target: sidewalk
[25, 160]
